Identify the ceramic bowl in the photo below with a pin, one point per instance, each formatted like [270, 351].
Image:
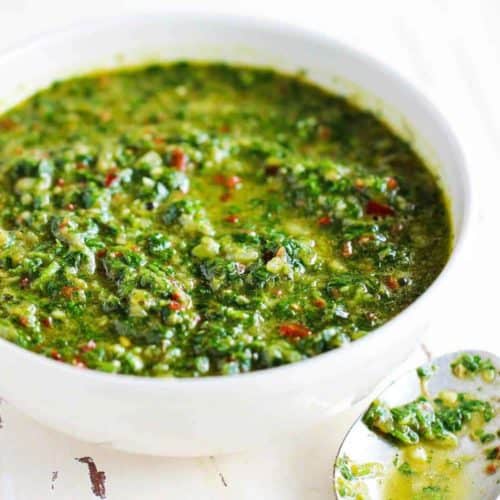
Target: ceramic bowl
[214, 415]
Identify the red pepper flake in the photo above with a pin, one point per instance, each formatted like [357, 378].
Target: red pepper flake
[24, 282]
[392, 283]
[159, 140]
[111, 177]
[70, 206]
[229, 182]
[232, 219]
[81, 166]
[491, 468]
[225, 128]
[60, 182]
[56, 355]
[89, 346]
[232, 181]
[47, 322]
[278, 292]
[392, 183]
[225, 197]
[101, 253]
[24, 321]
[378, 209]
[320, 303]
[325, 220]
[176, 296]
[347, 249]
[178, 159]
[67, 291]
[294, 330]
[63, 223]
[79, 363]
[175, 306]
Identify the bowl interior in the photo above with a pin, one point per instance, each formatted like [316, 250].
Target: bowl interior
[138, 40]
[193, 417]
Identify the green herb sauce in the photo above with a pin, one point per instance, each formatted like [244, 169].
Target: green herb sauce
[190, 220]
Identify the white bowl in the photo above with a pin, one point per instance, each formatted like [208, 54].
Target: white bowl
[213, 415]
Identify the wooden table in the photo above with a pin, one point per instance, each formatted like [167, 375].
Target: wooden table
[451, 50]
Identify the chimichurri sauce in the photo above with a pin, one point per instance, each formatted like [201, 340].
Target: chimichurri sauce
[188, 220]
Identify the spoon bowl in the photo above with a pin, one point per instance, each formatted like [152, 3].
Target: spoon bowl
[361, 445]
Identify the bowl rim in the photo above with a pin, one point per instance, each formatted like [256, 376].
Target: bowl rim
[290, 370]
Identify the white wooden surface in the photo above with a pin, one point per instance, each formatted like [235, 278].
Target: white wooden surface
[451, 50]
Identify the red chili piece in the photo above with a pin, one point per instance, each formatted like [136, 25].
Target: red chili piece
[491, 468]
[232, 181]
[24, 321]
[378, 209]
[392, 183]
[294, 330]
[47, 322]
[229, 182]
[320, 303]
[111, 177]
[392, 283]
[325, 220]
[233, 219]
[79, 363]
[178, 159]
[175, 306]
[56, 355]
[89, 346]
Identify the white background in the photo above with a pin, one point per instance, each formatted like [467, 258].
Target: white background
[451, 50]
